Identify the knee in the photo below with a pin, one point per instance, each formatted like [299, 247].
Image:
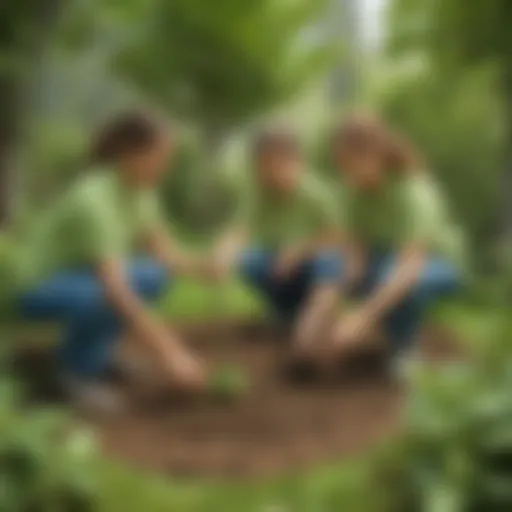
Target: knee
[149, 279]
[327, 267]
[255, 266]
[438, 281]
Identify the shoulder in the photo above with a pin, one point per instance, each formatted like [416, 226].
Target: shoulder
[420, 189]
[89, 194]
[314, 189]
[96, 182]
[418, 183]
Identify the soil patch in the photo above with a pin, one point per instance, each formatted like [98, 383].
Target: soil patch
[277, 426]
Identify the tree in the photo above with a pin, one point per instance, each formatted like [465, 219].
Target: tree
[457, 34]
[462, 149]
[29, 31]
[25, 27]
[220, 64]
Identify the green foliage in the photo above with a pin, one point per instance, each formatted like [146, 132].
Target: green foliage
[453, 36]
[185, 197]
[457, 454]
[228, 383]
[453, 31]
[221, 63]
[465, 157]
[55, 156]
[45, 463]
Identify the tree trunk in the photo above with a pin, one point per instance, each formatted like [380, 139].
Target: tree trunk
[10, 122]
[507, 158]
[26, 27]
[505, 242]
[206, 197]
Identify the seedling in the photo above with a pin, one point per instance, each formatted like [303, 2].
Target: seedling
[228, 383]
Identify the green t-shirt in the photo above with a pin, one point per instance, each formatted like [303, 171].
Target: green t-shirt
[410, 209]
[277, 220]
[99, 217]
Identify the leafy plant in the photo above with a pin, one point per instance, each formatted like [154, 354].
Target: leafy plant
[228, 383]
[44, 464]
[457, 453]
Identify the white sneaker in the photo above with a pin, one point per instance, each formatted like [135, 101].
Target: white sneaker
[403, 363]
[93, 396]
[128, 368]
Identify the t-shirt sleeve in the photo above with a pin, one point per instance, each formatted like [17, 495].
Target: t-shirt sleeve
[150, 211]
[98, 228]
[244, 200]
[326, 211]
[422, 211]
[345, 212]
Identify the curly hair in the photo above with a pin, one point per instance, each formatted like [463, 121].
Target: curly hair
[361, 133]
[275, 139]
[125, 132]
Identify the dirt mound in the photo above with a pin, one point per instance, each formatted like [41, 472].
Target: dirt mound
[277, 426]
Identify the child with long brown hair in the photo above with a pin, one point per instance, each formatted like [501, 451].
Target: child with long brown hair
[283, 240]
[403, 252]
[79, 265]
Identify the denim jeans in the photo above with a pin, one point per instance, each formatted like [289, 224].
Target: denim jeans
[77, 299]
[439, 278]
[286, 296]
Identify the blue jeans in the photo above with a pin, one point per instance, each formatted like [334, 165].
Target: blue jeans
[286, 296]
[91, 327]
[439, 278]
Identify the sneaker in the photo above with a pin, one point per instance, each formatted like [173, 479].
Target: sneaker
[93, 396]
[403, 362]
[126, 368]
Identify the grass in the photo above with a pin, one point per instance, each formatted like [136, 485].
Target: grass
[347, 485]
[192, 301]
[327, 489]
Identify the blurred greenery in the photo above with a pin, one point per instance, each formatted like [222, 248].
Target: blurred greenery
[46, 462]
[443, 75]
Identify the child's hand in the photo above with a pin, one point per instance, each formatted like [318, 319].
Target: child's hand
[286, 264]
[185, 370]
[208, 269]
[220, 265]
[352, 328]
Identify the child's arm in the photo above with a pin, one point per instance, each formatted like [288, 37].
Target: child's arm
[148, 329]
[165, 250]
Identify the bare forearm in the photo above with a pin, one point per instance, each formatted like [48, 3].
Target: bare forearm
[356, 261]
[146, 327]
[168, 254]
[230, 245]
[396, 287]
[317, 314]
[305, 249]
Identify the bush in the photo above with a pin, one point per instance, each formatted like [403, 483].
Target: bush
[457, 452]
[228, 383]
[45, 465]
[194, 199]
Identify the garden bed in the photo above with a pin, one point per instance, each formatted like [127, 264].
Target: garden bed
[278, 426]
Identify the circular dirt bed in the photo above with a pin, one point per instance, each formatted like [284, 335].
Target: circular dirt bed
[277, 426]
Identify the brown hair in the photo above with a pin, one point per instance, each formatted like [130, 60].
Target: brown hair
[125, 132]
[275, 139]
[362, 133]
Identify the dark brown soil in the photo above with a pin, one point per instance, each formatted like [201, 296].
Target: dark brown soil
[277, 426]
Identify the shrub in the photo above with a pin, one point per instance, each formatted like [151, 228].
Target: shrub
[457, 452]
[228, 383]
[45, 465]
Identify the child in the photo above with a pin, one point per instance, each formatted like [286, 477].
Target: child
[403, 251]
[289, 221]
[77, 265]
